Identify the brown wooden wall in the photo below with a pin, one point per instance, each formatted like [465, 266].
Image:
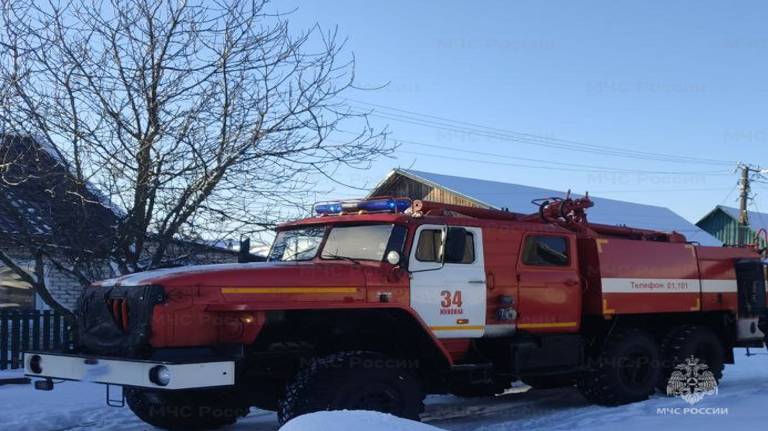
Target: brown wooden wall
[404, 186]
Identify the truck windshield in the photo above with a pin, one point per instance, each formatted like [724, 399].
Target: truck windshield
[364, 242]
[297, 244]
[368, 242]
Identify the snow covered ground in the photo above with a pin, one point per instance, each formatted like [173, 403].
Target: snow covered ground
[743, 393]
[354, 421]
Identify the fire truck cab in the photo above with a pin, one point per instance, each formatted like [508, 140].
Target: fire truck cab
[374, 303]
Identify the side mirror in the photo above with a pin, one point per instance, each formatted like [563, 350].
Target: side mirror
[244, 255]
[455, 244]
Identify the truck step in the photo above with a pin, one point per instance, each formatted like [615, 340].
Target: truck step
[471, 367]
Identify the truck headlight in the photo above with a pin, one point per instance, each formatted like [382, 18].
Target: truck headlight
[160, 375]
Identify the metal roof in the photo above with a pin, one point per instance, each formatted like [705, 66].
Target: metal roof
[517, 198]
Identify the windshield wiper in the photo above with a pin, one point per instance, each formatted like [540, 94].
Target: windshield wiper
[294, 257]
[339, 257]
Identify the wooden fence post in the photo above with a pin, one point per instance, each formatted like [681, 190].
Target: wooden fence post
[4, 340]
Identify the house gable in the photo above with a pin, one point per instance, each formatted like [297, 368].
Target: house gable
[517, 198]
[723, 223]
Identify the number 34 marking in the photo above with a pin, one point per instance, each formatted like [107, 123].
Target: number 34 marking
[450, 299]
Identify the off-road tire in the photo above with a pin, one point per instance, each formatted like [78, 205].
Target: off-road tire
[549, 382]
[762, 325]
[690, 340]
[354, 381]
[185, 409]
[625, 371]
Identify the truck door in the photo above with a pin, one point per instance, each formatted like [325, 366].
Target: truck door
[448, 291]
[549, 284]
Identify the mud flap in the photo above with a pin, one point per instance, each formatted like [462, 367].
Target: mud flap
[750, 280]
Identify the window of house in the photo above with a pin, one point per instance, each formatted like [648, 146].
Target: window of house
[546, 251]
[430, 242]
[14, 292]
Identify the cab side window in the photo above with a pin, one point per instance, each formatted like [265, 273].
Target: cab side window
[428, 247]
[469, 250]
[430, 242]
[546, 251]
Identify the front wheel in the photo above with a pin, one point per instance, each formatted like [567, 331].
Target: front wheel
[626, 370]
[354, 381]
[185, 409]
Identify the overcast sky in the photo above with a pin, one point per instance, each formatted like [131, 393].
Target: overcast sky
[682, 78]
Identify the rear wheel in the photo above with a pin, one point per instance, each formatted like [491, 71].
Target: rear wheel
[354, 381]
[186, 409]
[626, 370]
[762, 324]
[690, 340]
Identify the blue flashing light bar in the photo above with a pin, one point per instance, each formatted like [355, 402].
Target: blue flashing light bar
[328, 208]
[370, 205]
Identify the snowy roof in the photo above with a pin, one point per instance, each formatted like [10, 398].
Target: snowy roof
[757, 220]
[517, 198]
[40, 199]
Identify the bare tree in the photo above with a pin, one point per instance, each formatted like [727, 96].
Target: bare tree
[192, 118]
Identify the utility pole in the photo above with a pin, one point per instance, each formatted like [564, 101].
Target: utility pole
[744, 189]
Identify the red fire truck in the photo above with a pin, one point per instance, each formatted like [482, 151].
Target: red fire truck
[374, 303]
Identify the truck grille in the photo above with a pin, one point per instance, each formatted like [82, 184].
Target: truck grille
[119, 309]
[117, 320]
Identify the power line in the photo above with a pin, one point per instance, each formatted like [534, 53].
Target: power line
[591, 191]
[592, 168]
[549, 144]
[703, 189]
[561, 143]
[547, 163]
[759, 214]
[520, 165]
[733, 189]
[527, 138]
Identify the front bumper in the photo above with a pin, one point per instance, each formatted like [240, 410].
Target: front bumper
[129, 372]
